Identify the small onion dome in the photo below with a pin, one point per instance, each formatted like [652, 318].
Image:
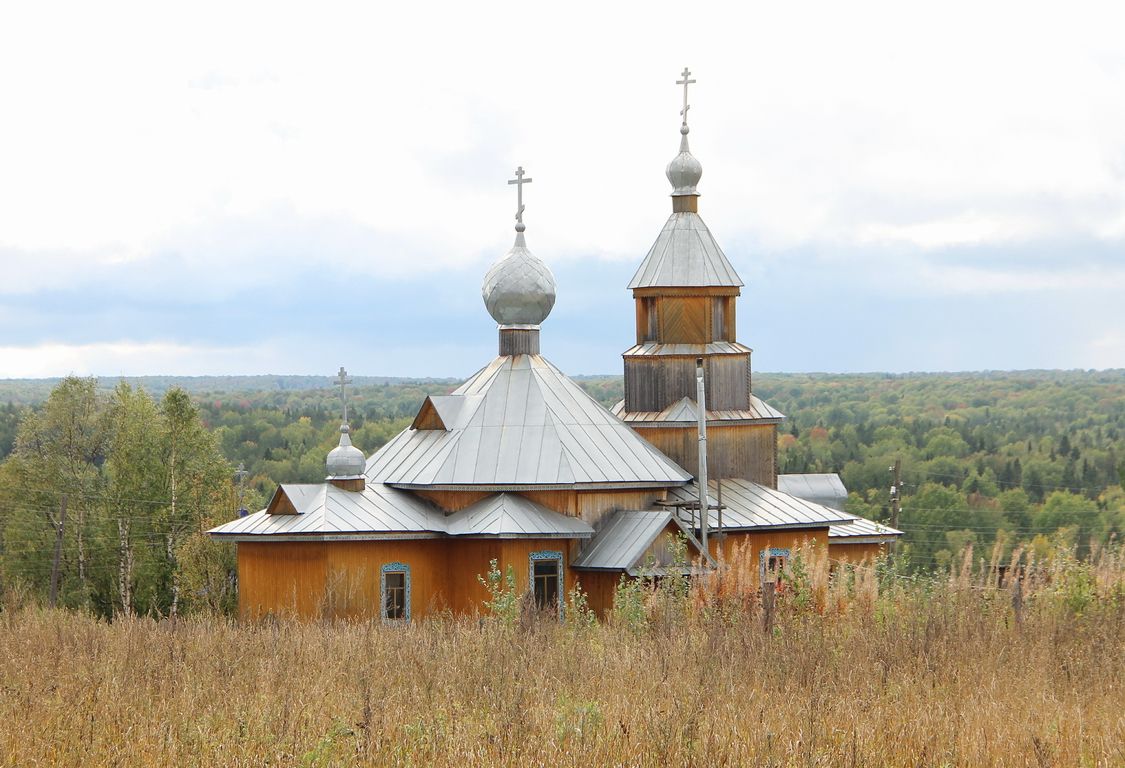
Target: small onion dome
[519, 288]
[684, 172]
[345, 460]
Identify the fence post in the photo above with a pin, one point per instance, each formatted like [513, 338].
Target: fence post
[768, 590]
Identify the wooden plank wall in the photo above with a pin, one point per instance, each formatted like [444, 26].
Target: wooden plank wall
[341, 579]
[737, 450]
[743, 550]
[653, 382]
[599, 587]
[854, 553]
[282, 578]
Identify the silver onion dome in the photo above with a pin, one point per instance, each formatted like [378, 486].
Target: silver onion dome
[684, 172]
[519, 288]
[345, 460]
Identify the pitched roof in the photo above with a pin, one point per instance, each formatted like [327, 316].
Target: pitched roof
[324, 509]
[685, 254]
[619, 545]
[508, 515]
[521, 423]
[823, 488]
[748, 505]
[862, 528]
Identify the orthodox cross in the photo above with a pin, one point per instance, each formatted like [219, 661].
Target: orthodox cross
[343, 380]
[240, 475]
[685, 83]
[519, 181]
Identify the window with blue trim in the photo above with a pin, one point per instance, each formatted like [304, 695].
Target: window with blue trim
[771, 562]
[394, 592]
[546, 577]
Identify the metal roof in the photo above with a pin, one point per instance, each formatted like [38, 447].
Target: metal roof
[619, 545]
[861, 527]
[823, 488]
[685, 254]
[683, 410]
[505, 514]
[679, 349]
[748, 505]
[524, 423]
[323, 510]
[326, 509]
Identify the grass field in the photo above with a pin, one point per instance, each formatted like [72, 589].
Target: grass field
[932, 672]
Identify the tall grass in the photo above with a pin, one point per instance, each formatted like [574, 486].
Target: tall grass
[862, 667]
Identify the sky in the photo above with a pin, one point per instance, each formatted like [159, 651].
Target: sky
[251, 188]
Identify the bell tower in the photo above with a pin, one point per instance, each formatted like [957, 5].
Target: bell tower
[686, 292]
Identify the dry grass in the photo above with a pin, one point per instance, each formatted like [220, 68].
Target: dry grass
[935, 673]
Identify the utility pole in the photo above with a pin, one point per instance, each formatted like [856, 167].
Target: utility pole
[58, 551]
[896, 497]
[701, 406]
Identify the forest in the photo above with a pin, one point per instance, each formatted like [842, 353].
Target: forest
[143, 466]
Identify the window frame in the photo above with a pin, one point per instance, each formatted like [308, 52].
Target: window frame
[544, 556]
[768, 554]
[389, 568]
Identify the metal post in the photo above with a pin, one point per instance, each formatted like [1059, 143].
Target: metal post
[701, 478]
[896, 499]
[58, 551]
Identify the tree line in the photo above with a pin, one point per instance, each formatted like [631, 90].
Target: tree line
[1025, 457]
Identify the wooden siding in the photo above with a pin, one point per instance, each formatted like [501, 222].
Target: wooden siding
[738, 450]
[743, 550]
[453, 501]
[281, 578]
[684, 319]
[599, 587]
[854, 553]
[342, 579]
[652, 383]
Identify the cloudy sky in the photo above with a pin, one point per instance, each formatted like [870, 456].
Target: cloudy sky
[270, 188]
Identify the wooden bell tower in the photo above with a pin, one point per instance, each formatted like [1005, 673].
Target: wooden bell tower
[686, 292]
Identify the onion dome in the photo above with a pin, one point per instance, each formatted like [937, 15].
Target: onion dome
[684, 172]
[345, 460]
[519, 289]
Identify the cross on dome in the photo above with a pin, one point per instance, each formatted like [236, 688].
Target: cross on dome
[519, 181]
[685, 83]
[343, 380]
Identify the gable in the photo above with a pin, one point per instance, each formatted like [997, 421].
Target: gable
[428, 417]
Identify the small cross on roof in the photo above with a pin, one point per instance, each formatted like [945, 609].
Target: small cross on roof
[343, 380]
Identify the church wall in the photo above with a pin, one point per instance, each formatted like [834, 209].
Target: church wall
[469, 558]
[355, 575]
[743, 549]
[453, 501]
[854, 553]
[599, 587]
[739, 450]
[281, 578]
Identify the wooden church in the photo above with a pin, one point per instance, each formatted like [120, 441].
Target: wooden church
[519, 465]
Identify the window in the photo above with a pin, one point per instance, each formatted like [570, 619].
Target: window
[394, 592]
[771, 563]
[546, 581]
